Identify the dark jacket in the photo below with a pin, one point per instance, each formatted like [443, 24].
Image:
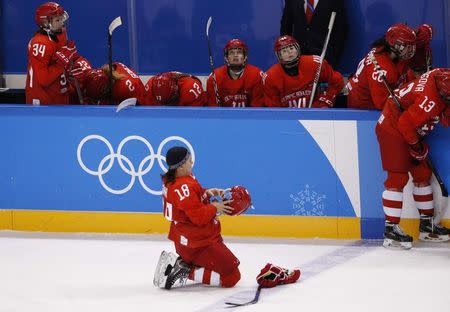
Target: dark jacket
[311, 37]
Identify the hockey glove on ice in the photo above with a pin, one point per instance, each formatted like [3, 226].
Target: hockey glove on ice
[272, 275]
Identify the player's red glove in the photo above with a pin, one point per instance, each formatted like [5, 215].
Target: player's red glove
[67, 54]
[80, 69]
[272, 275]
[424, 34]
[324, 101]
[419, 150]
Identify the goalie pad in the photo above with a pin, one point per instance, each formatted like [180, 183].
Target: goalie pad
[272, 275]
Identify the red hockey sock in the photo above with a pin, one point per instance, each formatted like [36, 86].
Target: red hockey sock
[392, 205]
[423, 196]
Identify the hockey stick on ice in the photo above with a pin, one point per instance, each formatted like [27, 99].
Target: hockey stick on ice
[253, 301]
[114, 24]
[126, 103]
[442, 186]
[211, 60]
[322, 57]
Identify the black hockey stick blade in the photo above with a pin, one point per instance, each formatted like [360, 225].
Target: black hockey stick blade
[240, 304]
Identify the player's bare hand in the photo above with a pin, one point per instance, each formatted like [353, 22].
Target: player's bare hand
[222, 207]
[214, 192]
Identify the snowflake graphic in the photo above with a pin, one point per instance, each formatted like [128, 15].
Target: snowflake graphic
[308, 202]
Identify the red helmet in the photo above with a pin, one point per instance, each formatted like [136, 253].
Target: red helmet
[402, 40]
[235, 44]
[424, 33]
[46, 11]
[165, 88]
[96, 84]
[241, 199]
[442, 79]
[283, 42]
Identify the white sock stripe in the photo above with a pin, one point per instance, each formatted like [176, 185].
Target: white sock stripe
[215, 279]
[198, 275]
[392, 212]
[393, 195]
[425, 205]
[422, 190]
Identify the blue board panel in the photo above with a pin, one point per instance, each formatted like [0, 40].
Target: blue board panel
[162, 35]
[61, 158]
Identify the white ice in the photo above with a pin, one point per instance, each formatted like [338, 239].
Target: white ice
[42, 272]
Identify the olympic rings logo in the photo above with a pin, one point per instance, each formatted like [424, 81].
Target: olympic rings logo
[129, 168]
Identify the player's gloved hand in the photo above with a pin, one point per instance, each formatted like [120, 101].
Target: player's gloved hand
[324, 101]
[419, 150]
[424, 34]
[272, 275]
[66, 55]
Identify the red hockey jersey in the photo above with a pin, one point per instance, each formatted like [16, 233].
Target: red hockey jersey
[246, 91]
[190, 91]
[366, 89]
[282, 90]
[422, 107]
[193, 224]
[129, 86]
[46, 81]
[79, 69]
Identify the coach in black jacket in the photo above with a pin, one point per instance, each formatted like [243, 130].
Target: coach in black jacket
[311, 37]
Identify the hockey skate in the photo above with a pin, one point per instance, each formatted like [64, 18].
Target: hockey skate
[178, 273]
[395, 238]
[165, 264]
[169, 270]
[431, 232]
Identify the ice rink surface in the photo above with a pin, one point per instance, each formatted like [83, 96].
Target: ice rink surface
[42, 272]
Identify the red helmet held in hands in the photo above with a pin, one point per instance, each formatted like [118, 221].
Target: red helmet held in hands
[46, 11]
[241, 199]
[402, 40]
[96, 84]
[442, 79]
[165, 89]
[283, 42]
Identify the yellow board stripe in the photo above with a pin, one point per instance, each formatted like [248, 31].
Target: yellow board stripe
[6, 220]
[246, 225]
[155, 223]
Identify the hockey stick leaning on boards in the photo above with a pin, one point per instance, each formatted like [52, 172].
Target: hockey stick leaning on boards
[322, 56]
[114, 24]
[211, 61]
